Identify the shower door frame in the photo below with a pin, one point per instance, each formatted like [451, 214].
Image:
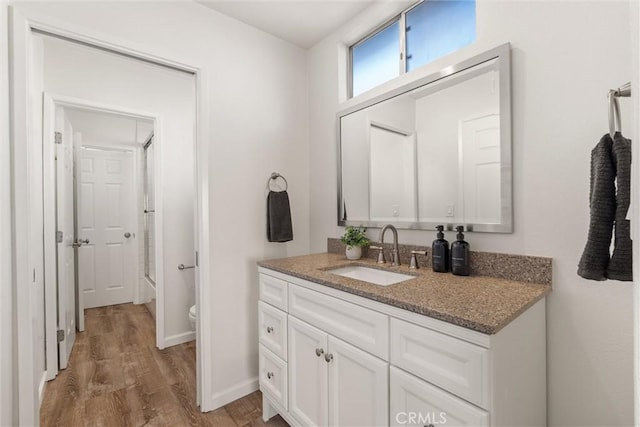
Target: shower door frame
[22, 27]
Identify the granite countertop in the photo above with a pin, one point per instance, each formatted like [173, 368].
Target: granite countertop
[484, 304]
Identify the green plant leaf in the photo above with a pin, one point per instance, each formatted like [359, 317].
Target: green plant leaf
[355, 236]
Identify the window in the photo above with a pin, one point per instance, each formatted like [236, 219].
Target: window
[423, 33]
[375, 59]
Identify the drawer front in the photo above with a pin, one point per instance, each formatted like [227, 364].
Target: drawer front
[272, 327]
[452, 364]
[273, 291]
[273, 376]
[414, 402]
[359, 326]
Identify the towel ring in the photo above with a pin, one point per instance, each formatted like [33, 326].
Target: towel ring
[273, 177]
[614, 113]
[615, 120]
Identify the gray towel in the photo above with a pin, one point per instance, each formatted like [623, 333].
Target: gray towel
[279, 228]
[607, 160]
[620, 266]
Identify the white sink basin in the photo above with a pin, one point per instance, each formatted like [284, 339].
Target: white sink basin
[371, 275]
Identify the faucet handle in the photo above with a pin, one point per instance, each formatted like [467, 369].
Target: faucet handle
[414, 260]
[381, 259]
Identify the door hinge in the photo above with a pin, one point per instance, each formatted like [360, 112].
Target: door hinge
[60, 335]
[59, 236]
[197, 260]
[57, 137]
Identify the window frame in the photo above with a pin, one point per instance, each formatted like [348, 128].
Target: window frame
[147, 256]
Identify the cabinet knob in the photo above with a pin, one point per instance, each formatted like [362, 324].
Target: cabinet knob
[328, 357]
[269, 329]
[319, 352]
[270, 375]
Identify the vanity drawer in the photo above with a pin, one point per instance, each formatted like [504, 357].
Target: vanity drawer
[410, 397]
[273, 291]
[359, 326]
[272, 327]
[273, 376]
[452, 364]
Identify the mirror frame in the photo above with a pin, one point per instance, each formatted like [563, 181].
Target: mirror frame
[503, 55]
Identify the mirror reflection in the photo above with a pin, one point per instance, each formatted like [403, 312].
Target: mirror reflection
[435, 154]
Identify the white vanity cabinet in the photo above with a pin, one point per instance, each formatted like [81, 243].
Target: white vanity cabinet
[331, 358]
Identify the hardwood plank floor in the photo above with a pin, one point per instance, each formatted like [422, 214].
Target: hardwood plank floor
[117, 377]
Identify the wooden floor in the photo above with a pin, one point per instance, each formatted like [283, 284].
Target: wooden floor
[117, 377]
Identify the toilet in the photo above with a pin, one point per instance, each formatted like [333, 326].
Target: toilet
[192, 317]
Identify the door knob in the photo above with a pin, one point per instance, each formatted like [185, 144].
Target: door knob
[127, 235]
[80, 242]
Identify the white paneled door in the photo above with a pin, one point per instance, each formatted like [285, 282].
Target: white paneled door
[106, 217]
[480, 169]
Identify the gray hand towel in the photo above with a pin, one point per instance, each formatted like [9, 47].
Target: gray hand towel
[602, 203]
[610, 167]
[620, 266]
[279, 228]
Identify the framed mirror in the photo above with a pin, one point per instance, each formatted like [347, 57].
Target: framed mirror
[434, 151]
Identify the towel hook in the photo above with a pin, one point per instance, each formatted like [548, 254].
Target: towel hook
[273, 177]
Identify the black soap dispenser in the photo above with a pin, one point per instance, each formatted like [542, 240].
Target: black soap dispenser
[440, 252]
[460, 254]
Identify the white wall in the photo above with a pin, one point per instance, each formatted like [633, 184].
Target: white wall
[635, 230]
[564, 60]
[6, 293]
[258, 121]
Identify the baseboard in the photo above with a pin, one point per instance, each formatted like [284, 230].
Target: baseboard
[41, 387]
[233, 393]
[179, 339]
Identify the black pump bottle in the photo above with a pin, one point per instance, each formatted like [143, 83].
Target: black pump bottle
[460, 254]
[440, 252]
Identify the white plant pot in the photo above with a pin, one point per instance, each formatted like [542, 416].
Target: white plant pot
[353, 252]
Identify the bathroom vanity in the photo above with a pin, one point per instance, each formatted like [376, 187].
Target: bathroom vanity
[434, 349]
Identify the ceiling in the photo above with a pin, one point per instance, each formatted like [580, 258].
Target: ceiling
[301, 22]
[108, 129]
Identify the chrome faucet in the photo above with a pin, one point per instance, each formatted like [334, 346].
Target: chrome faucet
[395, 253]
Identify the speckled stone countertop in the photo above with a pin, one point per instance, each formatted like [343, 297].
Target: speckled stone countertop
[482, 303]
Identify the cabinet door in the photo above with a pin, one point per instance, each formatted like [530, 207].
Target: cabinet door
[358, 386]
[414, 402]
[308, 384]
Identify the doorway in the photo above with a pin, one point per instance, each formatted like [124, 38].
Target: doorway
[92, 202]
[27, 85]
[126, 202]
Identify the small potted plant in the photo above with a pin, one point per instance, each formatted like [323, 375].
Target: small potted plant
[355, 239]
